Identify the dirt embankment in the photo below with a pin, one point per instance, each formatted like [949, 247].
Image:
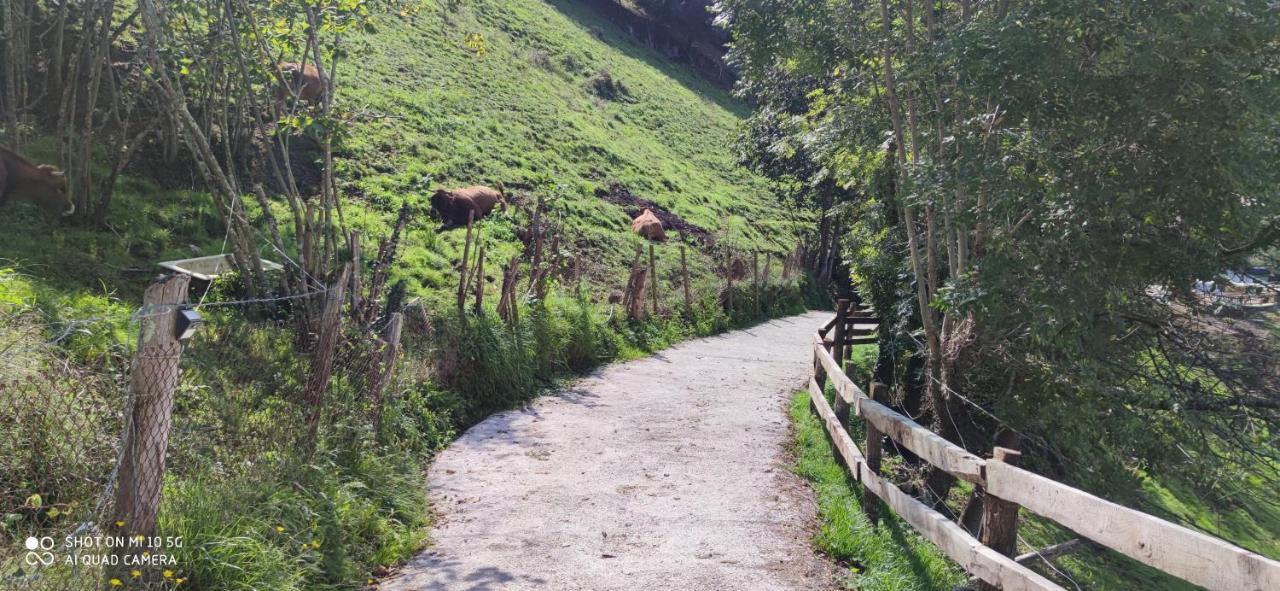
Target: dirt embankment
[618, 194]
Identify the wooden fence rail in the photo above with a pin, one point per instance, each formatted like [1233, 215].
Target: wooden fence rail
[1174, 549]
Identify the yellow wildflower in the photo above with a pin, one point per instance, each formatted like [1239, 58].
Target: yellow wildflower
[116, 583]
[168, 574]
[135, 573]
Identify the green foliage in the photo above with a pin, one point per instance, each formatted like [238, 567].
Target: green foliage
[435, 94]
[890, 556]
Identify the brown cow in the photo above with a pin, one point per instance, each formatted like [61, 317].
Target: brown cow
[649, 226]
[301, 81]
[44, 185]
[452, 206]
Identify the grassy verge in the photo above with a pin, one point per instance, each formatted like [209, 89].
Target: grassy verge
[886, 557]
[253, 510]
[1238, 510]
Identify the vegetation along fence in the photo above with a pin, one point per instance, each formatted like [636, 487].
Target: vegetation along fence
[94, 485]
[1179, 551]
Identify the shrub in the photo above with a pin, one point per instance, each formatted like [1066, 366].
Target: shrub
[604, 85]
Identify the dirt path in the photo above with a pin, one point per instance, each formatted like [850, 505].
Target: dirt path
[665, 473]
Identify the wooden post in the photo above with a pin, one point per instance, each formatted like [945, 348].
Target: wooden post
[837, 337]
[653, 281]
[507, 302]
[729, 277]
[755, 278]
[480, 281]
[322, 356]
[466, 260]
[353, 240]
[1000, 517]
[633, 296]
[684, 274]
[385, 365]
[153, 377]
[871, 503]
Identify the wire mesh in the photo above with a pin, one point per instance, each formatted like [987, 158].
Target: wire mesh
[92, 453]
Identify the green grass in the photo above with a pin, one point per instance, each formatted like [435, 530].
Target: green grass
[427, 110]
[524, 111]
[1236, 509]
[885, 557]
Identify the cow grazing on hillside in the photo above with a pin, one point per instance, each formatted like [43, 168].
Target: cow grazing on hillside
[301, 81]
[44, 185]
[453, 206]
[649, 226]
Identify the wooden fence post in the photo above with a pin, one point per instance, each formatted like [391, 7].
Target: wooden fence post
[729, 279]
[755, 278]
[353, 290]
[653, 281]
[837, 337]
[322, 356]
[870, 502]
[153, 377]
[480, 281]
[385, 364]
[684, 274]
[466, 260]
[1000, 517]
[633, 295]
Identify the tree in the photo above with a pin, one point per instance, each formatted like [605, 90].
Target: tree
[1055, 176]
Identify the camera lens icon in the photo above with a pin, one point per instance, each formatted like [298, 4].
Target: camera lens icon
[38, 551]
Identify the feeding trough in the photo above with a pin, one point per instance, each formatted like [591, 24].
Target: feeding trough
[211, 267]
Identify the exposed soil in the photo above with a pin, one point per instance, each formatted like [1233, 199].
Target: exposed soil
[666, 473]
[618, 194]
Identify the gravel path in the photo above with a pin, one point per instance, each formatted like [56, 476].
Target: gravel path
[664, 473]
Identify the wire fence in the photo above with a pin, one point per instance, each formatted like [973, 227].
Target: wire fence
[90, 449]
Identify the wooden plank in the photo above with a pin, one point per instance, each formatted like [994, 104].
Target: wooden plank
[827, 327]
[848, 450]
[864, 340]
[923, 442]
[848, 391]
[981, 561]
[1184, 553]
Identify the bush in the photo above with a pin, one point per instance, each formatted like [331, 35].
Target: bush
[605, 86]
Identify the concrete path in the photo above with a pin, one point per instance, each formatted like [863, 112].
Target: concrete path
[664, 473]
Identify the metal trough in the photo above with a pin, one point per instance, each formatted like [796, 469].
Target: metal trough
[211, 267]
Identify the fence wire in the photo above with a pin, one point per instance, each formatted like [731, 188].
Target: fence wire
[92, 450]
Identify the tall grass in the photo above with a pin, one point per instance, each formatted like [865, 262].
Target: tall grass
[492, 366]
[885, 557]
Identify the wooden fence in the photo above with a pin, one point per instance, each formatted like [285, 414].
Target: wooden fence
[1187, 554]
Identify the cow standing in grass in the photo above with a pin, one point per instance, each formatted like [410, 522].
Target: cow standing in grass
[301, 81]
[649, 226]
[453, 206]
[44, 185]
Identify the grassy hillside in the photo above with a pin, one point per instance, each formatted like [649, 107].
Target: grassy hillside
[548, 97]
[542, 96]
